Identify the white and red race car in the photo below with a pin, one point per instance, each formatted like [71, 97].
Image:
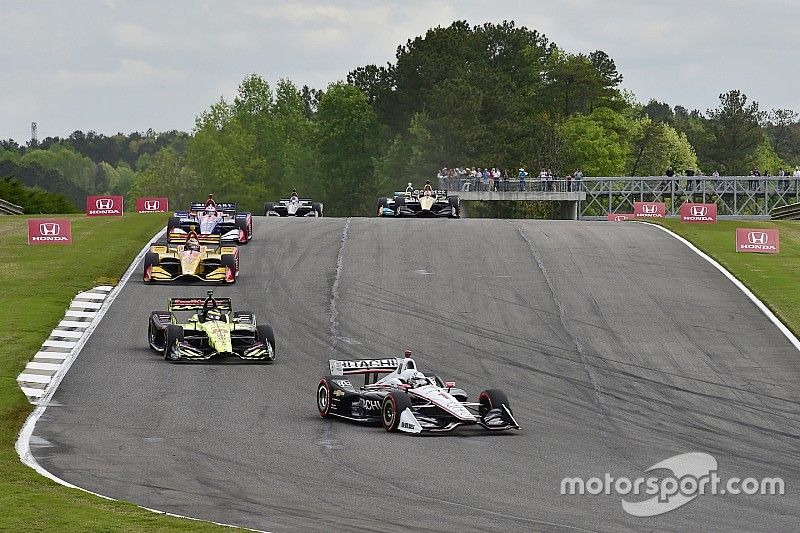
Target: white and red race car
[406, 399]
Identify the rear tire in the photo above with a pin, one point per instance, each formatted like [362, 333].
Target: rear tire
[317, 209]
[492, 399]
[172, 337]
[264, 333]
[269, 206]
[393, 406]
[381, 205]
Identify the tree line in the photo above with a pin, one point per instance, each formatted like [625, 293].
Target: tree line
[496, 95]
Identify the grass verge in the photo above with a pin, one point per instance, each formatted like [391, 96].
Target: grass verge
[771, 277]
[37, 284]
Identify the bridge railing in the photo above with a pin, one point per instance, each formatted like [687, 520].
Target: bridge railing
[733, 195]
[528, 184]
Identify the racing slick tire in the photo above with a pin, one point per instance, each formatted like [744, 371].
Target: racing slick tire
[324, 395]
[172, 337]
[492, 399]
[399, 201]
[150, 260]
[455, 203]
[264, 333]
[229, 261]
[393, 406]
[154, 335]
[174, 222]
[243, 226]
[381, 204]
[269, 206]
[317, 207]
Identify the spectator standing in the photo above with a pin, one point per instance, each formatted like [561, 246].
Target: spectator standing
[577, 179]
[522, 175]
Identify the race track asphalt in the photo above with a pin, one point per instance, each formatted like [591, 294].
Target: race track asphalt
[617, 346]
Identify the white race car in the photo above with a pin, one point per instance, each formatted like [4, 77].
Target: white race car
[406, 399]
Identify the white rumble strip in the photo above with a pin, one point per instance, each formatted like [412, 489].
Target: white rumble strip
[38, 374]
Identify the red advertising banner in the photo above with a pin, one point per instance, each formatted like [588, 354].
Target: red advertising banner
[649, 209]
[620, 217]
[152, 204]
[764, 241]
[699, 213]
[104, 206]
[49, 231]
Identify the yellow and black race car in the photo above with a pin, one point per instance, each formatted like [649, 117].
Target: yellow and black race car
[192, 257]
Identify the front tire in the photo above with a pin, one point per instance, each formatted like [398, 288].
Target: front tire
[269, 206]
[324, 395]
[229, 261]
[265, 334]
[317, 209]
[455, 204]
[492, 399]
[393, 406]
[172, 337]
[150, 260]
[174, 222]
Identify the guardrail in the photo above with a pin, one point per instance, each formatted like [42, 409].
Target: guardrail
[7, 208]
[786, 212]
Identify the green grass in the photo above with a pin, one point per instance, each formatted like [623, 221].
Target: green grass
[37, 284]
[771, 277]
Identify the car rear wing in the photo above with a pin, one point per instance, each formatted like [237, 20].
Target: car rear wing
[225, 208]
[179, 237]
[363, 366]
[196, 304]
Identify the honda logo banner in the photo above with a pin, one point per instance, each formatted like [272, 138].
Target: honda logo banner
[699, 213]
[620, 217]
[104, 206]
[152, 205]
[42, 231]
[649, 209]
[765, 241]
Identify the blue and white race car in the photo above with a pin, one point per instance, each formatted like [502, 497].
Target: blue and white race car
[213, 219]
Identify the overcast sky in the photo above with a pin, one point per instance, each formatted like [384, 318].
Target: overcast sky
[120, 65]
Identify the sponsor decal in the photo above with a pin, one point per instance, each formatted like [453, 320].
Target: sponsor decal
[152, 205]
[621, 217]
[698, 213]
[343, 382]
[42, 231]
[104, 206]
[369, 405]
[649, 209]
[406, 425]
[338, 392]
[765, 241]
[671, 484]
[367, 365]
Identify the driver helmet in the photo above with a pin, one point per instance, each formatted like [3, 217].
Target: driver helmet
[214, 314]
[416, 379]
[192, 243]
